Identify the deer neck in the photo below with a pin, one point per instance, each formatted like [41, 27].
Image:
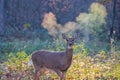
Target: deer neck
[69, 53]
[69, 50]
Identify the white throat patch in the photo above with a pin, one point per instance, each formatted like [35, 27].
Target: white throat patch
[69, 47]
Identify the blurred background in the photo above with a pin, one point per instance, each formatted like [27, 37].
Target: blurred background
[30, 25]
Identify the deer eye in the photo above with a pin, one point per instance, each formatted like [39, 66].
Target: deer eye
[67, 40]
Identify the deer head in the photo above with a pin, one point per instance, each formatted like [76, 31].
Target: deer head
[70, 41]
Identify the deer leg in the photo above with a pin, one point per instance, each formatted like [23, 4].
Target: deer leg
[64, 75]
[59, 73]
[42, 70]
[36, 75]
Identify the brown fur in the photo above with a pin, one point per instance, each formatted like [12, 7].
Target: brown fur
[56, 61]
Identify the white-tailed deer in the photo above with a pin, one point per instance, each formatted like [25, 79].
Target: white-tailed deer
[56, 61]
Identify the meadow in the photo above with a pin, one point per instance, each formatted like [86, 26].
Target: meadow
[87, 64]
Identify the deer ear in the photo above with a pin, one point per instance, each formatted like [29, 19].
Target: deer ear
[64, 36]
[75, 36]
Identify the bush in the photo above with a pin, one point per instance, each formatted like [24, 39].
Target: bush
[83, 67]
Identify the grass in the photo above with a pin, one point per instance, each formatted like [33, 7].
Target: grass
[99, 67]
[91, 62]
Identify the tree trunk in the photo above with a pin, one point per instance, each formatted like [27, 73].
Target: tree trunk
[1, 17]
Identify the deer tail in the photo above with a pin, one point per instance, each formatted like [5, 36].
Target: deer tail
[30, 63]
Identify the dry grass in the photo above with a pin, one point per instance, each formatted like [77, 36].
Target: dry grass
[99, 67]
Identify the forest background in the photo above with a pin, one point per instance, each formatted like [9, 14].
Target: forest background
[28, 25]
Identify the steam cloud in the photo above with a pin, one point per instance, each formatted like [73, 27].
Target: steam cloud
[86, 21]
[54, 29]
[49, 23]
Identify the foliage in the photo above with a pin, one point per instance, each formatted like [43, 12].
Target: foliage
[27, 46]
[26, 25]
[96, 15]
[15, 66]
[24, 20]
[101, 66]
[93, 47]
[92, 23]
[17, 59]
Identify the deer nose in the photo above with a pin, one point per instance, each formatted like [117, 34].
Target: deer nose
[70, 44]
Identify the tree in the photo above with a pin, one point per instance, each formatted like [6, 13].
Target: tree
[1, 17]
[91, 22]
